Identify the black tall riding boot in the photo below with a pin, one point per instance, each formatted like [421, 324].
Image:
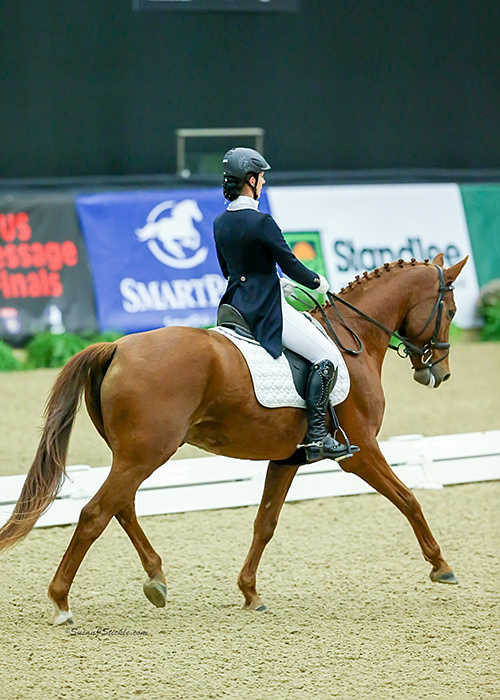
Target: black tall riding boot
[319, 444]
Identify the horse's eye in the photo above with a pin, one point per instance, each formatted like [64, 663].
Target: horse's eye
[451, 313]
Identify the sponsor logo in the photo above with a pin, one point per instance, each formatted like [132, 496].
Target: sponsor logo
[352, 258]
[306, 246]
[171, 235]
[177, 294]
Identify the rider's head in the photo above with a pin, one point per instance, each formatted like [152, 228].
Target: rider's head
[243, 170]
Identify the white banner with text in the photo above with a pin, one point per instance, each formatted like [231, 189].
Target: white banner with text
[362, 227]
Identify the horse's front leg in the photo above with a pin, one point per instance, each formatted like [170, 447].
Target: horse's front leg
[278, 481]
[371, 466]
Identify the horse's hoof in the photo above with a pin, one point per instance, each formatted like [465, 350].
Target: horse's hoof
[62, 617]
[156, 592]
[260, 608]
[447, 577]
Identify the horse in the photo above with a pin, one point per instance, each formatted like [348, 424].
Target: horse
[151, 392]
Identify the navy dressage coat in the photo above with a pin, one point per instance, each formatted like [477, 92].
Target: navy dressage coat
[249, 244]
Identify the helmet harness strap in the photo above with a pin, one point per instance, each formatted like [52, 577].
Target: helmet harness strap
[252, 187]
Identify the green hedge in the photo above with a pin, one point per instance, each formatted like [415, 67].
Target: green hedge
[49, 350]
[8, 361]
[489, 308]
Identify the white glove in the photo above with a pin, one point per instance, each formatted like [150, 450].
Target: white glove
[288, 287]
[324, 286]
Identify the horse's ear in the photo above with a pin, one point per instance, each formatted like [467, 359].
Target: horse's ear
[452, 273]
[439, 260]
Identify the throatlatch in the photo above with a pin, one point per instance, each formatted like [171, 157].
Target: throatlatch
[319, 443]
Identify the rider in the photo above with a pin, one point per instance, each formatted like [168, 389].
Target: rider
[249, 245]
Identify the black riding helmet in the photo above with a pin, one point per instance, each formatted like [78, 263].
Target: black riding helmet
[240, 163]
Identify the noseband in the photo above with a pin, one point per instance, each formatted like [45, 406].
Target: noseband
[405, 348]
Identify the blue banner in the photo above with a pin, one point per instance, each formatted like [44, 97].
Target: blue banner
[153, 258]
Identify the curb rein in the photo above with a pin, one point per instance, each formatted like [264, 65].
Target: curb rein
[405, 348]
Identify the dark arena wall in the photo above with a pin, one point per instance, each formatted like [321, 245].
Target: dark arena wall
[93, 88]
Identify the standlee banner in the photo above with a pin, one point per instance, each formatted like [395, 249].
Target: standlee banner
[45, 282]
[350, 229]
[153, 257]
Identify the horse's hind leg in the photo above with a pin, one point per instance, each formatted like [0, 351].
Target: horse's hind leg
[117, 491]
[371, 466]
[155, 588]
[278, 481]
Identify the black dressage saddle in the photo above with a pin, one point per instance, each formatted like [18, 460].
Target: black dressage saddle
[229, 317]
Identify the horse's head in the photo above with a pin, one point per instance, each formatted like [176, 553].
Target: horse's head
[427, 323]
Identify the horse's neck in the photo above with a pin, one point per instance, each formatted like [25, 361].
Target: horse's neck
[385, 299]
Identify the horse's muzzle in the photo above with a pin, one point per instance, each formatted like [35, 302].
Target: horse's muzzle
[431, 377]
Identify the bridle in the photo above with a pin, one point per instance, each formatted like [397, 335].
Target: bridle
[405, 347]
[427, 350]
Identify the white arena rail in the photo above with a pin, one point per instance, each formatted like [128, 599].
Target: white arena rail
[208, 483]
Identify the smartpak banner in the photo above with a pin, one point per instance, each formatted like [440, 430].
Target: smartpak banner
[358, 228]
[45, 282]
[153, 257]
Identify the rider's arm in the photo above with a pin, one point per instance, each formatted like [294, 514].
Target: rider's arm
[272, 237]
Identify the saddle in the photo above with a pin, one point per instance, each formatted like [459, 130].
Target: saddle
[229, 317]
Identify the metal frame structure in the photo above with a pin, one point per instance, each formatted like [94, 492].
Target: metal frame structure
[182, 134]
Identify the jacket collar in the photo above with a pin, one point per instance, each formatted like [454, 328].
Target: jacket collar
[243, 202]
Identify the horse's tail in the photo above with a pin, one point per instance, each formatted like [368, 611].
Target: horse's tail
[46, 474]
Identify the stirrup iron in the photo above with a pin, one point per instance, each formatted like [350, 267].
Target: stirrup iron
[351, 449]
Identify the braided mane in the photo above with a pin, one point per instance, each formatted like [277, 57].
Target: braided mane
[378, 272]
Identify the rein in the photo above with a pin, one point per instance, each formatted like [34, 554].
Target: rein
[405, 347]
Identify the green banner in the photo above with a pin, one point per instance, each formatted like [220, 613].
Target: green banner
[482, 212]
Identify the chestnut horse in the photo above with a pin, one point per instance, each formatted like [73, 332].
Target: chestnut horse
[149, 393]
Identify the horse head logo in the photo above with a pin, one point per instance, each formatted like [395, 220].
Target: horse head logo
[169, 237]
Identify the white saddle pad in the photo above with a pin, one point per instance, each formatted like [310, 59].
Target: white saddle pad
[272, 378]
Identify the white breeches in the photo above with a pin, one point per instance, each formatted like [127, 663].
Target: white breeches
[301, 336]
